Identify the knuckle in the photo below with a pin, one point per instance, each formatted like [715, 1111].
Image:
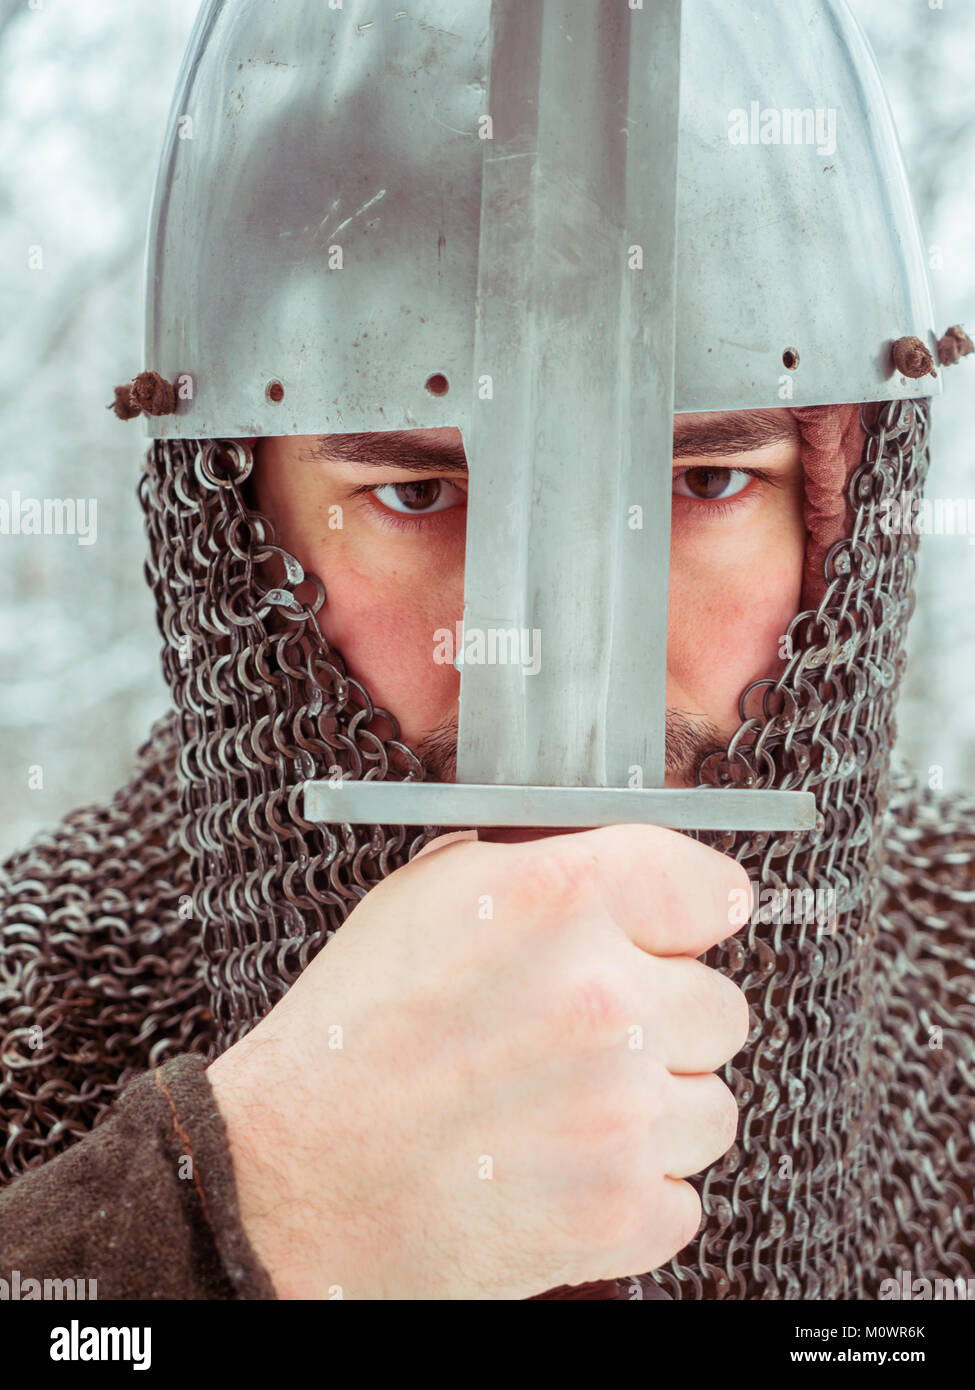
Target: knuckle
[536, 886]
[610, 1217]
[549, 877]
[594, 1009]
[612, 1123]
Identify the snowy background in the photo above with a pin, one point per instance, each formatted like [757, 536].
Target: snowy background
[86, 90]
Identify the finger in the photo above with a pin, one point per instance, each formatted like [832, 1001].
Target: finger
[442, 841]
[673, 1218]
[696, 1019]
[671, 895]
[700, 1124]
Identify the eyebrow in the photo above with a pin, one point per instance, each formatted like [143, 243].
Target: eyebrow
[391, 449]
[695, 436]
[738, 432]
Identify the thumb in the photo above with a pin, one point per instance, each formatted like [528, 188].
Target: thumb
[443, 840]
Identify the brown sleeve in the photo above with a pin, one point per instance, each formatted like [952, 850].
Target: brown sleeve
[146, 1203]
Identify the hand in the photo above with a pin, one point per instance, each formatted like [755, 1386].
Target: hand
[496, 1076]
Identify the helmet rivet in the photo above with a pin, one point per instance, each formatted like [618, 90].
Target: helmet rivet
[274, 391]
[438, 385]
[790, 359]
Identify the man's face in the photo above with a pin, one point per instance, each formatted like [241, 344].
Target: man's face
[393, 569]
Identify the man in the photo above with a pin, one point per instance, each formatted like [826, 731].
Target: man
[498, 1076]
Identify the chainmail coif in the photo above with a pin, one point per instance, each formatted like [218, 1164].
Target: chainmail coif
[173, 919]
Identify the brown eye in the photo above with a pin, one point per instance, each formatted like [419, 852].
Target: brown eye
[418, 496]
[424, 496]
[711, 484]
[707, 482]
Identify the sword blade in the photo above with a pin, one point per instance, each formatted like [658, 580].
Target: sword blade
[568, 549]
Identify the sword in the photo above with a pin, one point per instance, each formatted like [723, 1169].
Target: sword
[570, 451]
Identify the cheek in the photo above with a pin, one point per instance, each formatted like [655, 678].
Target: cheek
[730, 605]
[383, 623]
[385, 595]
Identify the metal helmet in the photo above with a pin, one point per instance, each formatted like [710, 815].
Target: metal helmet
[481, 216]
[338, 179]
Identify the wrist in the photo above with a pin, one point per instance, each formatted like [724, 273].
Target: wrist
[263, 1197]
[295, 1232]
